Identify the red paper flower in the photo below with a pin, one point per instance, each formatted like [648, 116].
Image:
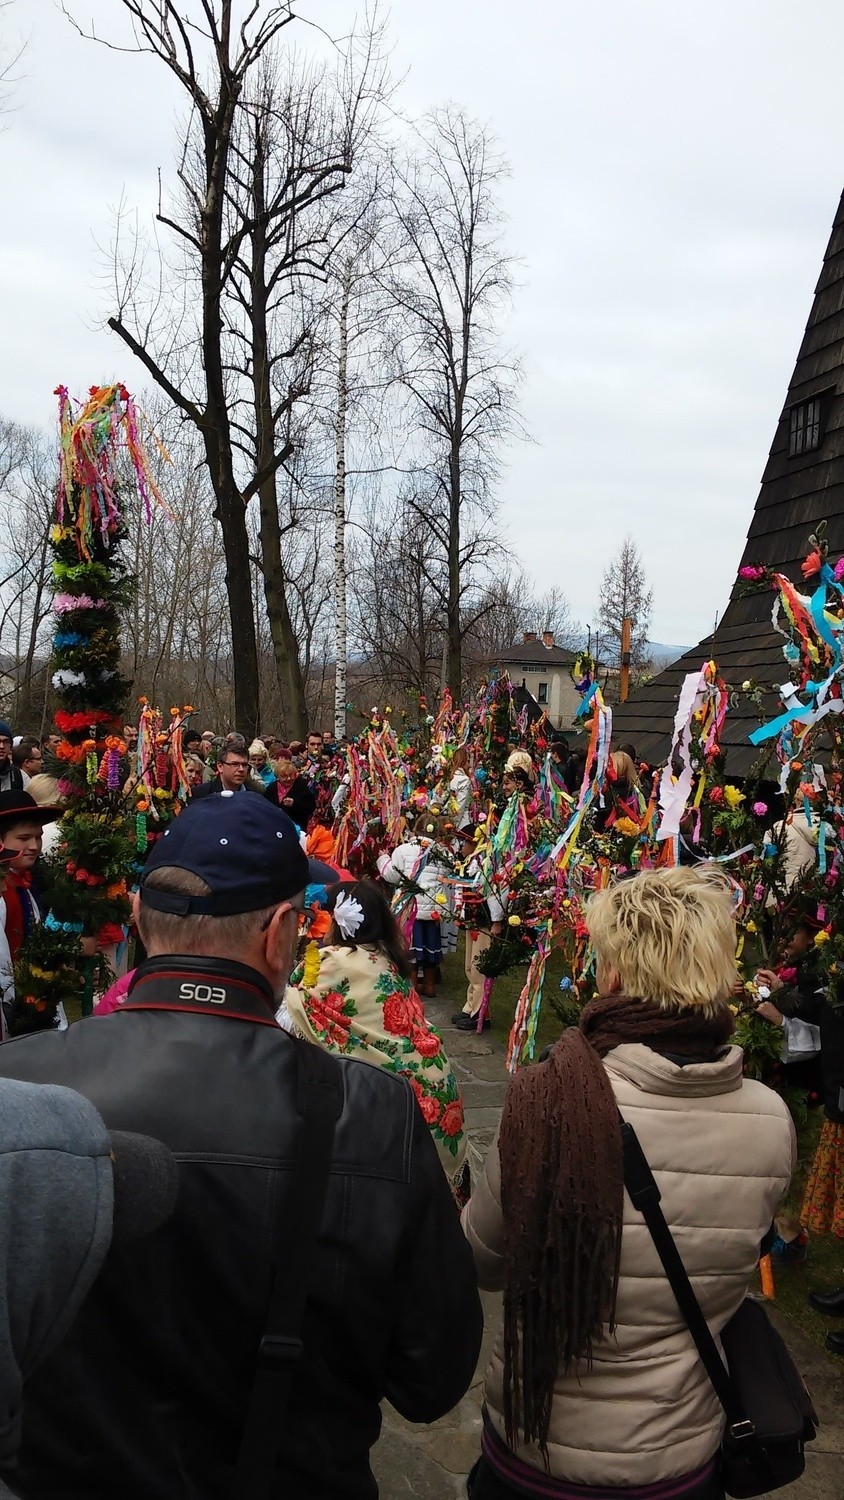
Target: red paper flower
[812, 565]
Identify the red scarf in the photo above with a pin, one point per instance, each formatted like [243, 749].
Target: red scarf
[16, 892]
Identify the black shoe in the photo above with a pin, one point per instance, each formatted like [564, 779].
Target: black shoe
[470, 1023]
[831, 1303]
[459, 1017]
[835, 1342]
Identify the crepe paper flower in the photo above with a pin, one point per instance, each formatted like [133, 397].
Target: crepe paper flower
[716, 796]
[751, 927]
[751, 574]
[760, 809]
[733, 797]
[838, 570]
[565, 983]
[63, 603]
[66, 679]
[747, 686]
[788, 975]
[821, 938]
[812, 564]
[348, 914]
[627, 827]
[514, 921]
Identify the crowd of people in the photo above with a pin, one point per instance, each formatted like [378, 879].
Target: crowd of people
[322, 1247]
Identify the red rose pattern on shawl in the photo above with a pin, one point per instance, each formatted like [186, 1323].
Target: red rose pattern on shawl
[413, 1048]
[436, 1093]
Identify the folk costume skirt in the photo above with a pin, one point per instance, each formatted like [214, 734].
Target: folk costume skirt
[823, 1201]
[426, 946]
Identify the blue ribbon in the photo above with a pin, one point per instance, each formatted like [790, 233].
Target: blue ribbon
[586, 701]
[776, 726]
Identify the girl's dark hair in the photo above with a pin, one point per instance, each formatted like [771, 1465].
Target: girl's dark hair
[379, 926]
[521, 778]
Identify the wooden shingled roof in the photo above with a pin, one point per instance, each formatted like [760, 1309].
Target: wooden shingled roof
[797, 492]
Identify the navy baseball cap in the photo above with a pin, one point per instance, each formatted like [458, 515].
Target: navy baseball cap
[243, 847]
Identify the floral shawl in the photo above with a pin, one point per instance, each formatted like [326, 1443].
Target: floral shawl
[361, 1007]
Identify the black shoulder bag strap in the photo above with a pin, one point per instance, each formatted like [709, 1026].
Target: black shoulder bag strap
[645, 1196]
[319, 1099]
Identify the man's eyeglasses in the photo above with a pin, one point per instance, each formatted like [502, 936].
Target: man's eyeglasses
[235, 765]
[305, 917]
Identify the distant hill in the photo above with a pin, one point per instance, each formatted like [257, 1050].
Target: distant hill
[662, 655]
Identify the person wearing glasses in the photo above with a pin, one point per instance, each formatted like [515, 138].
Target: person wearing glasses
[11, 778]
[149, 1396]
[232, 770]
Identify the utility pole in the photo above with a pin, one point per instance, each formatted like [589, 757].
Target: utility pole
[624, 676]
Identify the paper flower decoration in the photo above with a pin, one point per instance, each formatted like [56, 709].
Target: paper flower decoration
[348, 915]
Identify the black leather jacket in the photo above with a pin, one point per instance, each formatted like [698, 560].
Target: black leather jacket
[145, 1399]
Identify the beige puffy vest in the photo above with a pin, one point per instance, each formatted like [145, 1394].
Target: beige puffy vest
[722, 1150]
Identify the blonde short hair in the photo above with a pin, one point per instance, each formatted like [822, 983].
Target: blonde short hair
[670, 935]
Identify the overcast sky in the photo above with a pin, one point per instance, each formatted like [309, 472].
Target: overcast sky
[676, 170]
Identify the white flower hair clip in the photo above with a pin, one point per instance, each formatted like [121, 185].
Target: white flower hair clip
[348, 914]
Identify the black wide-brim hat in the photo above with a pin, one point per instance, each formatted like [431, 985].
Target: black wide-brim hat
[16, 806]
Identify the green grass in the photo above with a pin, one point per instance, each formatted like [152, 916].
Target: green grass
[823, 1270]
[824, 1267]
[505, 995]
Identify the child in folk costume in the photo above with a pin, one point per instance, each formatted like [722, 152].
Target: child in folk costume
[482, 912]
[355, 996]
[7, 976]
[420, 867]
[22, 823]
[21, 828]
[460, 787]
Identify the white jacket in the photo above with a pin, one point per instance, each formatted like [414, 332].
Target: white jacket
[413, 862]
[722, 1150]
[460, 787]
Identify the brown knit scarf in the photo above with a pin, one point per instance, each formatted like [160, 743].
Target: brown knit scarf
[562, 1192]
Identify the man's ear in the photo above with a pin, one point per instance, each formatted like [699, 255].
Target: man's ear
[280, 939]
[136, 906]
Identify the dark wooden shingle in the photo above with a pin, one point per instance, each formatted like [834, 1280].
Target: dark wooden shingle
[796, 493]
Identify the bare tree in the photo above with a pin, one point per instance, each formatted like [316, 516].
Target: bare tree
[398, 618]
[450, 283]
[510, 606]
[235, 221]
[10, 58]
[27, 496]
[625, 595]
[302, 133]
